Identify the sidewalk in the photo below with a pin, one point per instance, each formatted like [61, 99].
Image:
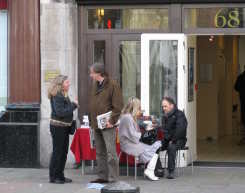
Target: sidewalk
[204, 180]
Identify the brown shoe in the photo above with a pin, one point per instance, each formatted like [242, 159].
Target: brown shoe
[100, 181]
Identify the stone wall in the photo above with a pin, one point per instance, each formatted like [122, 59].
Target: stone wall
[59, 54]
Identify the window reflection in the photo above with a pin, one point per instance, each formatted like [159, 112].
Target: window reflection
[163, 73]
[129, 58]
[99, 51]
[127, 18]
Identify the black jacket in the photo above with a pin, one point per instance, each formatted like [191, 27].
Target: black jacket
[62, 108]
[240, 86]
[174, 126]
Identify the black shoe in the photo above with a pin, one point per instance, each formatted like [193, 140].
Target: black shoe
[100, 181]
[57, 181]
[170, 175]
[68, 180]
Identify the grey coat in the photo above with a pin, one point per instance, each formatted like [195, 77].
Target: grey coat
[129, 136]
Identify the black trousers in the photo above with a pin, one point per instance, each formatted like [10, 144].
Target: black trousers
[171, 151]
[60, 141]
[242, 103]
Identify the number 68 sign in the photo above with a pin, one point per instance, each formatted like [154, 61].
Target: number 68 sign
[228, 18]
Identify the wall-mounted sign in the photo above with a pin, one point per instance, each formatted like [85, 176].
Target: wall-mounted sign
[229, 18]
[50, 75]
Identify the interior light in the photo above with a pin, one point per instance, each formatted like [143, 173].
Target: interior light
[211, 38]
[100, 12]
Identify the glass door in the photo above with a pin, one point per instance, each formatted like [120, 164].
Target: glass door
[127, 59]
[163, 65]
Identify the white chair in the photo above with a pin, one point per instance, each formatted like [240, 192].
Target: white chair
[178, 158]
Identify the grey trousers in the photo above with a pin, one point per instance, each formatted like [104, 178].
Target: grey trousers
[106, 155]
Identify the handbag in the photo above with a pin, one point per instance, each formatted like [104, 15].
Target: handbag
[73, 127]
[149, 137]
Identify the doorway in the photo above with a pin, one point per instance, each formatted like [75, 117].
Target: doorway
[220, 60]
[148, 66]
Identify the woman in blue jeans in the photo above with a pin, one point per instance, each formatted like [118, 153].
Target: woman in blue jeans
[61, 118]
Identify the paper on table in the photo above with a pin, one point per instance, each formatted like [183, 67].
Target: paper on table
[102, 119]
[84, 126]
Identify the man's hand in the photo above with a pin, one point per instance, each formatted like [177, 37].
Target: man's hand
[109, 125]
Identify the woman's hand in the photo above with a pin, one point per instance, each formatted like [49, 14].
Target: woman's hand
[76, 102]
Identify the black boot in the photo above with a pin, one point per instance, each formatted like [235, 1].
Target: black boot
[170, 175]
[159, 170]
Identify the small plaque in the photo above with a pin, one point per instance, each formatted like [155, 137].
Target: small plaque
[50, 75]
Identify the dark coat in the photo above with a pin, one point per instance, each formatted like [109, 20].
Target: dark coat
[62, 108]
[240, 86]
[174, 126]
[103, 99]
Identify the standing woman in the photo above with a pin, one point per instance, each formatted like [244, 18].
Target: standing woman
[61, 118]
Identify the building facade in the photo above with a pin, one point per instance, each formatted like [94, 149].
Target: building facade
[66, 36]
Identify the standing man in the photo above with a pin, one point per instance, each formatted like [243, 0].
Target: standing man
[174, 126]
[105, 96]
[240, 88]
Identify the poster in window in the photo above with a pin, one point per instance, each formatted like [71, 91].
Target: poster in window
[191, 60]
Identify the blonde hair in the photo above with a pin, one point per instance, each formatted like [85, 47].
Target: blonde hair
[132, 107]
[56, 85]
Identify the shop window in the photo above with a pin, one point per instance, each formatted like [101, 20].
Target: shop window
[127, 18]
[3, 59]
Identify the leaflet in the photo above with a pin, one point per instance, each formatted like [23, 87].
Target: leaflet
[102, 119]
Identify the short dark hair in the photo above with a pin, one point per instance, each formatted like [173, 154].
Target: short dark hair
[99, 68]
[169, 99]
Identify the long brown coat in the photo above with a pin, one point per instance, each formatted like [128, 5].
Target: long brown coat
[108, 98]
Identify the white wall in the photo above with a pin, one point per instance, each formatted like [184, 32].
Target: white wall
[191, 106]
[3, 59]
[59, 47]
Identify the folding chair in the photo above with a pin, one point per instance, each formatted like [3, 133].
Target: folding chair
[178, 158]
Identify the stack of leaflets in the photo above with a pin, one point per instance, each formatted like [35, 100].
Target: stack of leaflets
[102, 119]
[95, 186]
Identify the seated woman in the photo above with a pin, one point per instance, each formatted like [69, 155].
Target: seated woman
[129, 136]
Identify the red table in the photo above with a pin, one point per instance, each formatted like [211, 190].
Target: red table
[81, 146]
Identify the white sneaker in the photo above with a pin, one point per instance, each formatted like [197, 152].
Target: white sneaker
[150, 174]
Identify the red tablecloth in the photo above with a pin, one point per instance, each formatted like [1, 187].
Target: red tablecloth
[81, 147]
